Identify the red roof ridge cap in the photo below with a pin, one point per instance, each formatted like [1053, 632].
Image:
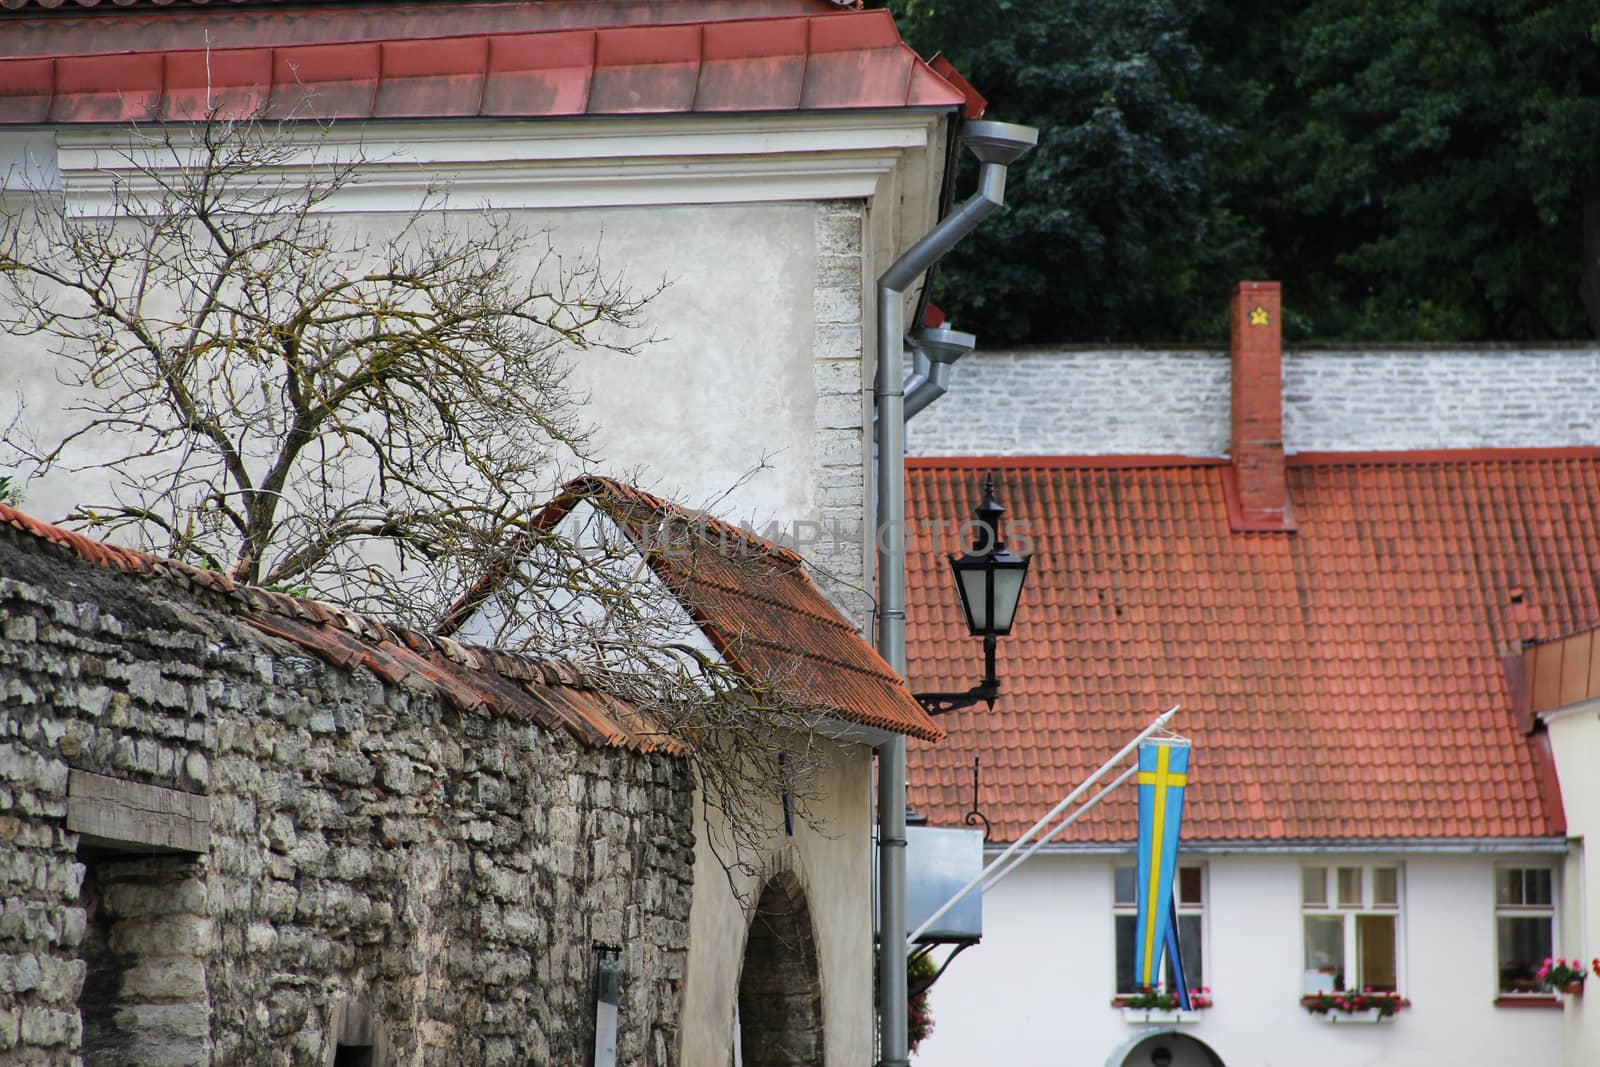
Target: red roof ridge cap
[622, 491]
[475, 35]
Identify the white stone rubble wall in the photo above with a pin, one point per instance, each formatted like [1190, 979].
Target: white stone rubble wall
[1143, 401]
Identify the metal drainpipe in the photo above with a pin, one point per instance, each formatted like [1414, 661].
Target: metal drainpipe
[933, 351]
[996, 145]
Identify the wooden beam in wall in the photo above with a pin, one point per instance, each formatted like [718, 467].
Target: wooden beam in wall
[128, 816]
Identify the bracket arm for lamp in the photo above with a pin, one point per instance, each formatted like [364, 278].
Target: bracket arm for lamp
[989, 579]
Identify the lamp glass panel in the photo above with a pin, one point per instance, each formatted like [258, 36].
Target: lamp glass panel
[1007, 591]
[972, 581]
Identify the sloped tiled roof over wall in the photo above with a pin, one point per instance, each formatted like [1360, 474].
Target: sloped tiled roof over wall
[756, 605]
[1346, 681]
[754, 602]
[840, 60]
[483, 681]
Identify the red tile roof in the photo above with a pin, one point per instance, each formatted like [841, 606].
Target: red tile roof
[754, 602]
[1346, 681]
[485, 681]
[841, 60]
[155, 25]
[112, 5]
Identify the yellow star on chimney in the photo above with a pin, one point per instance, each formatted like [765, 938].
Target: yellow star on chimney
[1259, 317]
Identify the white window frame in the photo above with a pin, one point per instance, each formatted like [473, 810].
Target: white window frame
[1129, 909]
[1549, 911]
[1351, 913]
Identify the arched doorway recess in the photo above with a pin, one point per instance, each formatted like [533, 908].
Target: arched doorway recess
[1164, 1048]
[780, 989]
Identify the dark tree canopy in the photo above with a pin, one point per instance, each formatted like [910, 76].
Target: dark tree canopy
[1110, 207]
[1421, 171]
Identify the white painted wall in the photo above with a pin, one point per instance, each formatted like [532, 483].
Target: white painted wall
[831, 856]
[1575, 743]
[1074, 401]
[1037, 991]
[731, 378]
[769, 230]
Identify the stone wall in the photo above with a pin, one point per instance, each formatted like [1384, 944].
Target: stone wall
[431, 885]
[836, 551]
[1137, 401]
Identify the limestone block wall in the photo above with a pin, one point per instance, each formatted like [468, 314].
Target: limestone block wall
[836, 547]
[1136, 401]
[381, 870]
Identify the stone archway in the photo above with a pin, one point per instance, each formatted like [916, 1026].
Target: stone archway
[780, 988]
[1164, 1048]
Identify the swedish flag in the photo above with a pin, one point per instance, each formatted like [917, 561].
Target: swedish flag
[1163, 774]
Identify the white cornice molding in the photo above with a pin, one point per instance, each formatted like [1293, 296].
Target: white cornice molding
[548, 164]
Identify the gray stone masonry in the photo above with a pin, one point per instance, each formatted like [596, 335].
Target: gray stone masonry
[449, 873]
[1139, 401]
[835, 549]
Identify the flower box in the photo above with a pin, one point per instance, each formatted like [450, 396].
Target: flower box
[1162, 1016]
[1348, 1007]
[1370, 1015]
[1157, 1007]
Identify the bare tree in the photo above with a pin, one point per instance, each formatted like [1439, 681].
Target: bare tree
[290, 405]
[381, 427]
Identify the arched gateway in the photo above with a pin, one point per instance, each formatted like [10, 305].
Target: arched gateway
[1163, 1048]
[780, 993]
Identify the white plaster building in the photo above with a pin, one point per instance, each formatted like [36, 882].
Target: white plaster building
[1337, 591]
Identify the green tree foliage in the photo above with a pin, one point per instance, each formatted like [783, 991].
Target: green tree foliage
[1109, 228]
[1420, 171]
[1452, 146]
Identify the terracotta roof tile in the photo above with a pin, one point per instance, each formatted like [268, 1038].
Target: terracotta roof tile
[1342, 681]
[488, 681]
[837, 60]
[758, 608]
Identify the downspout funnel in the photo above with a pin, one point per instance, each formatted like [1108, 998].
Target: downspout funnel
[997, 145]
[933, 352]
[999, 142]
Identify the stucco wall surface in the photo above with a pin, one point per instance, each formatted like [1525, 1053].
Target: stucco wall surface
[747, 401]
[1037, 991]
[829, 855]
[448, 874]
[1137, 401]
[1575, 743]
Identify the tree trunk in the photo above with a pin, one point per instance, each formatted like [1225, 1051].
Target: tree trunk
[1589, 285]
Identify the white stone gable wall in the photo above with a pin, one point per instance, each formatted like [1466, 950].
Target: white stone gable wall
[1135, 401]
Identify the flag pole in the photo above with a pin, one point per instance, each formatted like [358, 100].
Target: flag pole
[1066, 801]
[1017, 861]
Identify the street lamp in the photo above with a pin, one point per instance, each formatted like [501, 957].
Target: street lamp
[989, 579]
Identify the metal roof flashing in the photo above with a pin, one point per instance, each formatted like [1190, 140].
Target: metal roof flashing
[803, 63]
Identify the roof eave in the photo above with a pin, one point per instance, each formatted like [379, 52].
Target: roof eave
[1555, 845]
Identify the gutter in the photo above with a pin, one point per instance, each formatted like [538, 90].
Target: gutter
[1434, 846]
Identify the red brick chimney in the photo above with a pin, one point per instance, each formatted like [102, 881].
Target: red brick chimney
[1258, 496]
